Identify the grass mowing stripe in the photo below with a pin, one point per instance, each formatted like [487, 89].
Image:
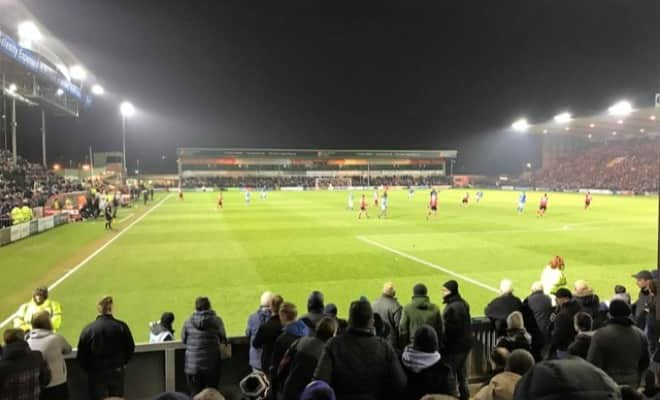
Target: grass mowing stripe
[94, 254]
[428, 264]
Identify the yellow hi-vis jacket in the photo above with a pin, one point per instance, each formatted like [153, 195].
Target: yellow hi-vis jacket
[23, 317]
[16, 216]
[27, 213]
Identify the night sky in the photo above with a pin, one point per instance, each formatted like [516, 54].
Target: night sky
[301, 74]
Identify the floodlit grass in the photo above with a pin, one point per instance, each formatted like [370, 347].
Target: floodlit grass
[294, 243]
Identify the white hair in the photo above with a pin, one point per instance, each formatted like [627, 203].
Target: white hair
[537, 286]
[506, 286]
[266, 298]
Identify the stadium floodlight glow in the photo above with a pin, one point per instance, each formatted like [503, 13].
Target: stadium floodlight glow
[28, 33]
[520, 125]
[563, 118]
[12, 88]
[56, 167]
[620, 122]
[592, 125]
[78, 73]
[620, 109]
[529, 165]
[613, 133]
[545, 131]
[652, 117]
[642, 130]
[59, 92]
[126, 109]
[98, 90]
[568, 128]
[590, 136]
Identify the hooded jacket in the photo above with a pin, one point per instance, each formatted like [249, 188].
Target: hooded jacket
[202, 334]
[418, 312]
[427, 373]
[23, 372]
[606, 351]
[53, 347]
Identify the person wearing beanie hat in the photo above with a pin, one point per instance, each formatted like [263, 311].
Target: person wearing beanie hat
[424, 367]
[418, 312]
[502, 385]
[315, 305]
[255, 320]
[389, 309]
[359, 364]
[572, 378]
[458, 334]
[162, 330]
[318, 390]
[619, 348]
[562, 331]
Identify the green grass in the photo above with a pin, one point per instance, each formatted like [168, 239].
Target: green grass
[294, 243]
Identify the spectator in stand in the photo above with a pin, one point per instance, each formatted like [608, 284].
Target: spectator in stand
[502, 306]
[418, 312]
[621, 294]
[584, 327]
[267, 333]
[516, 335]
[23, 372]
[572, 378]
[424, 367]
[330, 311]
[651, 389]
[619, 348]
[292, 330]
[209, 394]
[104, 348]
[40, 302]
[318, 390]
[562, 329]
[303, 356]
[458, 334]
[53, 348]
[651, 321]
[589, 302]
[502, 385]
[162, 330]
[258, 318]
[641, 306]
[389, 309]
[314, 310]
[553, 277]
[539, 305]
[202, 334]
[359, 365]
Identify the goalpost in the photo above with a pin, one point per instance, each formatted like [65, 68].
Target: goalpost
[336, 182]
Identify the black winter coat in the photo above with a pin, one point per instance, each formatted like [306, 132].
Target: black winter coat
[202, 334]
[500, 308]
[105, 344]
[562, 329]
[23, 372]
[458, 325]
[580, 346]
[361, 366]
[265, 339]
[540, 305]
[591, 305]
[437, 379]
[307, 354]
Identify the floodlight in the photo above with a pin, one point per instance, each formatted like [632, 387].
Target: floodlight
[592, 125]
[520, 125]
[127, 110]
[56, 167]
[563, 118]
[620, 122]
[78, 73]
[642, 130]
[59, 92]
[652, 117]
[528, 165]
[98, 90]
[12, 88]
[613, 133]
[590, 136]
[28, 33]
[620, 109]
[545, 131]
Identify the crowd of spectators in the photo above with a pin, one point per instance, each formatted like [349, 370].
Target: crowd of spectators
[565, 343]
[310, 182]
[631, 165]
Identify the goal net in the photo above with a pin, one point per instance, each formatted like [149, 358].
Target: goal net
[333, 183]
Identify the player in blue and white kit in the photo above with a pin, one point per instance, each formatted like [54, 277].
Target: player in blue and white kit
[411, 192]
[522, 199]
[350, 201]
[478, 196]
[383, 206]
[263, 193]
[247, 196]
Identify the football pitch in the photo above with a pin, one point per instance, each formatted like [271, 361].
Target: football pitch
[295, 242]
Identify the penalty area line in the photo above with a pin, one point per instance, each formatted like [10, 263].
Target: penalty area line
[94, 254]
[428, 264]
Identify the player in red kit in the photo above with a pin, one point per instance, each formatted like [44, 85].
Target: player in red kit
[363, 207]
[220, 201]
[587, 200]
[466, 199]
[433, 204]
[543, 206]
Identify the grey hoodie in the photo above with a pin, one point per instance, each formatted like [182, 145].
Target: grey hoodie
[53, 347]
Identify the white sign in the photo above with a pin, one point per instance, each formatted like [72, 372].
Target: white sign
[19, 231]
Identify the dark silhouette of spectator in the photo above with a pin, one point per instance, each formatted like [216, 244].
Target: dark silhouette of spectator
[104, 348]
[53, 348]
[458, 334]
[589, 302]
[292, 329]
[562, 329]
[315, 305]
[418, 312]
[303, 356]
[502, 306]
[389, 309]
[620, 293]
[267, 334]
[641, 306]
[330, 310]
[583, 325]
[359, 365]
[202, 334]
[318, 390]
[502, 385]
[424, 367]
[258, 318]
[23, 372]
[539, 305]
[516, 335]
[619, 348]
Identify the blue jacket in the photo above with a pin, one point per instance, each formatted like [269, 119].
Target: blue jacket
[202, 334]
[254, 322]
